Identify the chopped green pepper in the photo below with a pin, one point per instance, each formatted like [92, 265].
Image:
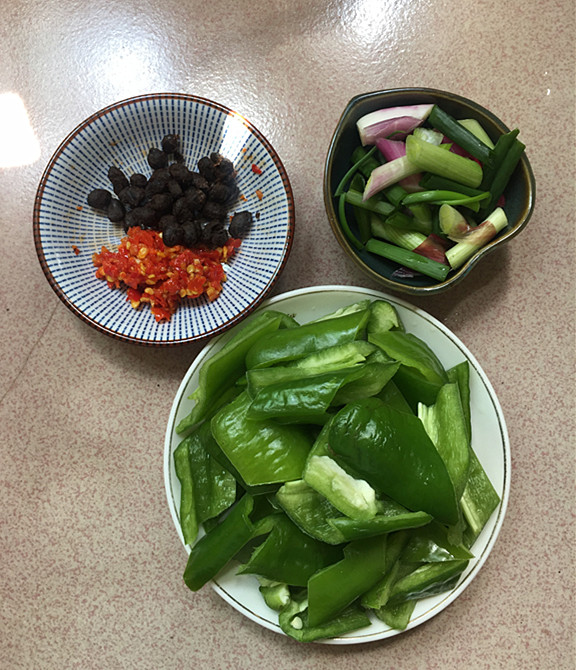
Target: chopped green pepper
[289, 556]
[294, 621]
[310, 511]
[263, 451]
[222, 369]
[397, 615]
[377, 596]
[352, 529]
[208, 488]
[276, 594]
[392, 451]
[479, 499]
[294, 343]
[412, 352]
[432, 545]
[303, 400]
[337, 586]
[460, 374]
[214, 550]
[427, 580]
[353, 497]
[445, 423]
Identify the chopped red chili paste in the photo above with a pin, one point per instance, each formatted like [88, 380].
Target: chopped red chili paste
[163, 276]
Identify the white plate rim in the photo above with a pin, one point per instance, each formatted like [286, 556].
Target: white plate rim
[493, 527]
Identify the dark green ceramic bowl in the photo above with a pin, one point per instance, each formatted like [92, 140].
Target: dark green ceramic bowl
[519, 194]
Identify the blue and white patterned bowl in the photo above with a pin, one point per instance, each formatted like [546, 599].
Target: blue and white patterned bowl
[67, 232]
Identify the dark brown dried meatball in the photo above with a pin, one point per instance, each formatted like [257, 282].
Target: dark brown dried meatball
[207, 169]
[195, 199]
[131, 196]
[224, 166]
[192, 233]
[99, 198]
[161, 202]
[115, 211]
[240, 224]
[172, 235]
[157, 158]
[214, 234]
[220, 192]
[198, 181]
[118, 179]
[174, 188]
[181, 173]
[165, 221]
[181, 211]
[214, 210]
[170, 143]
[138, 180]
[145, 217]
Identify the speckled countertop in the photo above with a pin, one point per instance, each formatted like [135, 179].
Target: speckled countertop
[91, 563]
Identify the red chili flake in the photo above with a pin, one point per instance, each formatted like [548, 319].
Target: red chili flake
[256, 169]
[259, 194]
[79, 208]
[75, 249]
[162, 276]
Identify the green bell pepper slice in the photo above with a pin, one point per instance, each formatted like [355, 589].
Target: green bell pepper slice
[373, 379]
[460, 374]
[213, 448]
[427, 580]
[334, 358]
[337, 586]
[220, 371]
[478, 501]
[392, 451]
[432, 545]
[217, 548]
[386, 521]
[412, 352]
[302, 400]
[415, 388]
[289, 556]
[446, 426]
[350, 495]
[377, 596]
[289, 345]
[276, 594]
[397, 615]
[294, 622]
[390, 395]
[262, 451]
[383, 317]
[208, 489]
[310, 511]
[421, 374]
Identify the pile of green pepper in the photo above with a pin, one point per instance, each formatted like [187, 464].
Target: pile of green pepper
[333, 460]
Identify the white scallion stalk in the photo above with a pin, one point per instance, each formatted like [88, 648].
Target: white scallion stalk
[477, 238]
[429, 135]
[406, 239]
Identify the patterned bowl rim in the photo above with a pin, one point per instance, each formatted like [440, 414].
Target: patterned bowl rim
[187, 97]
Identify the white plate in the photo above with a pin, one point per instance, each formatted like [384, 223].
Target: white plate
[489, 440]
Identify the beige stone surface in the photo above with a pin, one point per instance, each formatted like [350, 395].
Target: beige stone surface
[91, 566]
